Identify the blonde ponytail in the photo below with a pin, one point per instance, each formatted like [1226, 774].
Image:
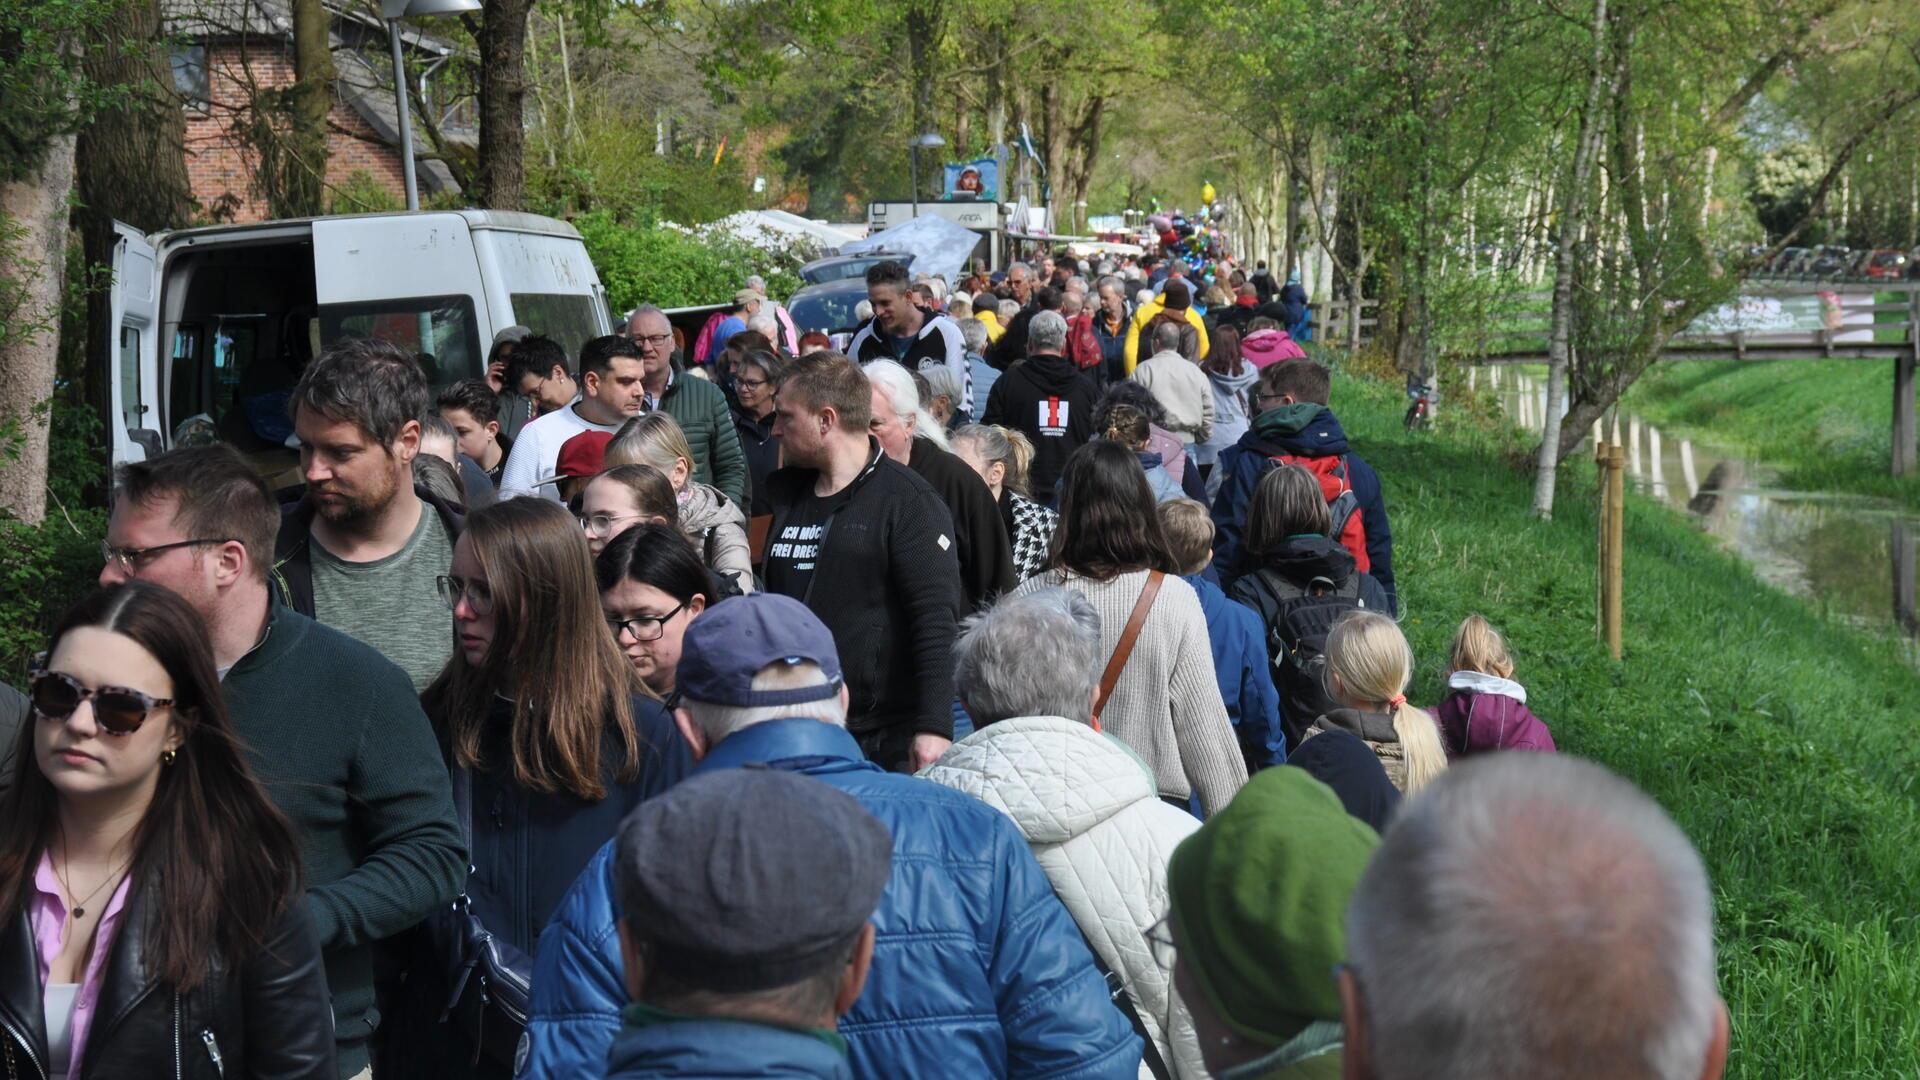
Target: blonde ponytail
[1371, 664]
[1477, 646]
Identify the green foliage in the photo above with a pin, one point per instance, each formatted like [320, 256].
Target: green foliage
[1779, 739]
[45, 568]
[1783, 183]
[42, 91]
[360, 193]
[648, 262]
[611, 167]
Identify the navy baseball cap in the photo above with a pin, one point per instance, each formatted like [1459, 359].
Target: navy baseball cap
[728, 644]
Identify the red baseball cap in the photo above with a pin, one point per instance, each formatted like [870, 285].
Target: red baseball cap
[582, 455]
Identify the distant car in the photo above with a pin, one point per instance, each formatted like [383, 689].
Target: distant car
[843, 268]
[1887, 264]
[1829, 261]
[1913, 264]
[1789, 260]
[828, 307]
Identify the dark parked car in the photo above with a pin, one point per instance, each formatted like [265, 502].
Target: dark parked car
[828, 307]
[1829, 261]
[843, 267]
[1789, 260]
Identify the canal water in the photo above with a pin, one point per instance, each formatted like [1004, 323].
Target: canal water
[1852, 556]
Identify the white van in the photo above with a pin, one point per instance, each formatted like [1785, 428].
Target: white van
[214, 325]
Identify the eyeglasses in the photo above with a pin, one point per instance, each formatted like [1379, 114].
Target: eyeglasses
[131, 559]
[118, 710]
[749, 384]
[644, 627]
[658, 341]
[602, 524]
[477, 594]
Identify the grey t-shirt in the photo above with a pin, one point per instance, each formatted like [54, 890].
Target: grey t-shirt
[392, 604]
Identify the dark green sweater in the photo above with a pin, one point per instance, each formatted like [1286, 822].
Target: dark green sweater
[335, 732]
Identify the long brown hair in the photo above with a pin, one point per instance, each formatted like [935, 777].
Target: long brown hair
[1108, 524]
[217, 862]
[551, 656]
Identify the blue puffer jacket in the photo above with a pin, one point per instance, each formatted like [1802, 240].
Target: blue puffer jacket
[724, 1050]
[978, 969]
[1241, 666]
[1244, 463]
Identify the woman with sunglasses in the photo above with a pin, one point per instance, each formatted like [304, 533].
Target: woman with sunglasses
[551, 736]
[651, 586]
[152, 890]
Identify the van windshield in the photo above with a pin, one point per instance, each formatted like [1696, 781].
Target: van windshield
[441, 329]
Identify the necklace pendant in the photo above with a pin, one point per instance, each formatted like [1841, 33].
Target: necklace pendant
[79, 913]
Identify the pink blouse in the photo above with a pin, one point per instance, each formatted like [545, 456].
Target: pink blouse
[49, 915]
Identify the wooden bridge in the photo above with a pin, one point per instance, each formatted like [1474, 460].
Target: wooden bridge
[1877, 322]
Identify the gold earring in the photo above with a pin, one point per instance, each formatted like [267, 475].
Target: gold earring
[167, 756]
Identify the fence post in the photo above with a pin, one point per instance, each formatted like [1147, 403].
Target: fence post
[1616, 519]
[1601, 454]
[1903, 409]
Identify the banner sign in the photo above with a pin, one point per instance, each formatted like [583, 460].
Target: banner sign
[979, 179]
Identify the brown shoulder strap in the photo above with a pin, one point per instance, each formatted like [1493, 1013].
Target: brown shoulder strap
[1135, 620]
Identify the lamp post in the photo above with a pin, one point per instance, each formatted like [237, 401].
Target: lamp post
[930, 140]
[393, 11]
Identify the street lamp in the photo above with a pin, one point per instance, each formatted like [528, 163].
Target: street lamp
[393, 11]
[931, 141]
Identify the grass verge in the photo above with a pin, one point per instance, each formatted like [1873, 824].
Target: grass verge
[1781, 741]
[1827, 425]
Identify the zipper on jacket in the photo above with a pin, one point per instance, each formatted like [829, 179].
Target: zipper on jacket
[213, 1051]
[176, 1036]
[15, 1035]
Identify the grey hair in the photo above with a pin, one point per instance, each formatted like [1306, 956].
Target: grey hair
[1047, 332]
[757, 284]
[1019, 266]
[763, 322]
[896, 382]
[974, 333]
[717, 722]
[1109, 281]
[1076, 283]
[372, 384]
[645, 309]
[1504, 883]
[863, 310]
[942, 379]
[1032, 655]
[1166, 337]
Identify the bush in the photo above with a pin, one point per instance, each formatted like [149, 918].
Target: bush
[44, 568]
[652, 263]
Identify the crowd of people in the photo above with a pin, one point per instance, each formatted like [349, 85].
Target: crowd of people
[1013, 691]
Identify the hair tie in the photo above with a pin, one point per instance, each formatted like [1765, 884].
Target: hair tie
[1394, 702]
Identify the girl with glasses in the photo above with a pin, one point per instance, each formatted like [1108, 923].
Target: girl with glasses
[150, 884]
[552, 739]
[715, 526]
[622, 497]
[651, 586]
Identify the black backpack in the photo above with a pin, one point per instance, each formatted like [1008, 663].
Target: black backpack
[1298, 621]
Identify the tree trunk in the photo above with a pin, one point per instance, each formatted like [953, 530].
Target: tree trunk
[130, 165]
[303, 167]
[33, 232]
[501, 177]
[1569, 241]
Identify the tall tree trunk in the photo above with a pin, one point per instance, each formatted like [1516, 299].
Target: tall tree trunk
[130, 165]
[33, 234]
[1571, 238]
[303, 167]
[501, 177]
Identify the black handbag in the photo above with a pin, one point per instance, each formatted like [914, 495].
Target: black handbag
[487, 990]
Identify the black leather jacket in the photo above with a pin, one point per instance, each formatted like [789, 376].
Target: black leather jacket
[269, 1020]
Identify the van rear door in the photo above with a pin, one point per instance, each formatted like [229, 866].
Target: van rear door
[135, 417]
[410, 279]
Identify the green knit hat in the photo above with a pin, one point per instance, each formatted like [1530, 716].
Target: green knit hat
[1260, 900]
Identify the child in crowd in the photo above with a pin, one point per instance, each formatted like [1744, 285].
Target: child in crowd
[1238, 639]
[1486, 710]
[1369, 665]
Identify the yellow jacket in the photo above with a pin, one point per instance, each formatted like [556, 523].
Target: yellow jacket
[994, 329]
[1144, 315]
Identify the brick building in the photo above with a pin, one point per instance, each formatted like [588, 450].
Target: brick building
[227, 53]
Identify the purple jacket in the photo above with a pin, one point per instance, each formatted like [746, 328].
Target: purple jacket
[1486, 713]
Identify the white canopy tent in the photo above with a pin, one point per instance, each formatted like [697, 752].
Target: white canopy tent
[774, 226]
[935, 245]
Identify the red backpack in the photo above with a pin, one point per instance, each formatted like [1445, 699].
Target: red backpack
[1083, 348]
[1336, 484]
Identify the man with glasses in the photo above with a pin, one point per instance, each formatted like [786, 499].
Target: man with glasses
[329, 725]
[698, 406]
[610, 394]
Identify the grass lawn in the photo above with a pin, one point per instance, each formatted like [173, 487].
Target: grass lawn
[1781, 741]
[1828, 424]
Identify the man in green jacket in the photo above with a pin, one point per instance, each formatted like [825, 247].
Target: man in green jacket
[332, 728]
[697, 405]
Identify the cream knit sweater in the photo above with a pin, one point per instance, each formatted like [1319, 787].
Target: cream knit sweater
[1167, 704]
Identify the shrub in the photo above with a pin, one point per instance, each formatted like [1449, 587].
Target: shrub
[44, 568]
[662, 264]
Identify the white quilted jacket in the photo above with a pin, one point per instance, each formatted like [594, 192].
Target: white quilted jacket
[1090, 810]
